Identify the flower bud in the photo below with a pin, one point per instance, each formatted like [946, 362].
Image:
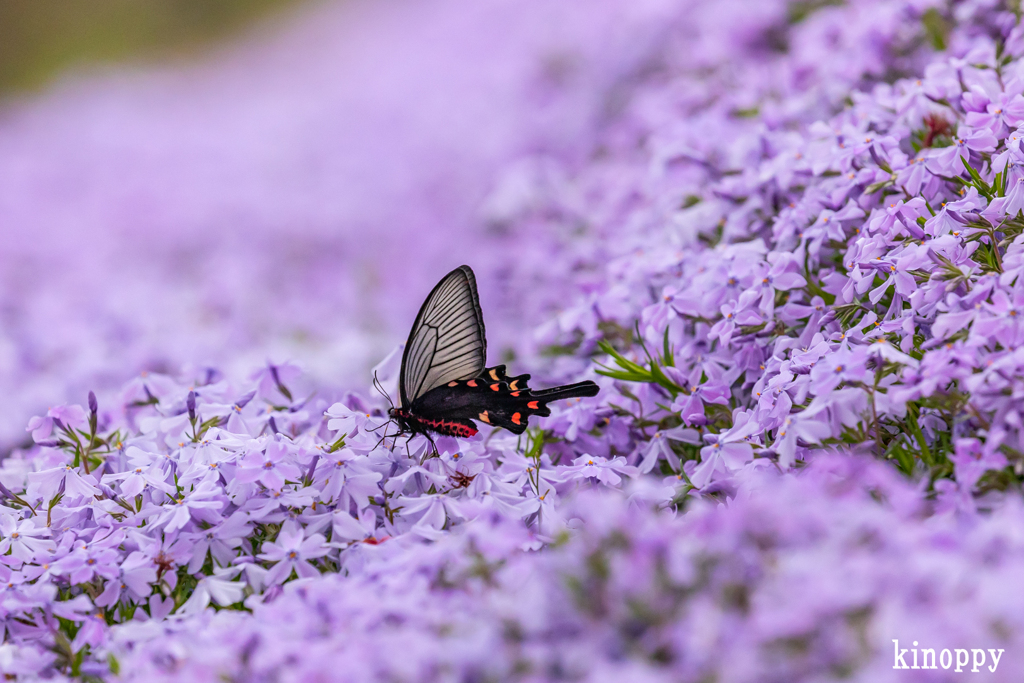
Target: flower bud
[244, 401]
[93, 411]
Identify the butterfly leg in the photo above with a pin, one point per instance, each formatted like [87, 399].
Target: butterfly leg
[431, 452]
[394, 438]
[382, 439]
[379, 426]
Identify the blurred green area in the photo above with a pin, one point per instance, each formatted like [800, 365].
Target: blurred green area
[41, 38]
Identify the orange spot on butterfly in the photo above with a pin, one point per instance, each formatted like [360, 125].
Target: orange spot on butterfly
[453, 384]
[515, 418]
[484, 417]
[494, 387]
[532, 405]
[513, 385]
[494, 375]
[471, 383]
[514, 393]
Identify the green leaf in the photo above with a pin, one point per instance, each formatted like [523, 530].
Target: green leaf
[913, 411]
[624, 376]
[875, 187]
[982, 186]
[936, 28]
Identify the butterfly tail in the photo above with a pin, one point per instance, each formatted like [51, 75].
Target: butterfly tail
[578, 390]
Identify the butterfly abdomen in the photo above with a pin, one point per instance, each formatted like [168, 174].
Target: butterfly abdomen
[418, 423]
[447, 427]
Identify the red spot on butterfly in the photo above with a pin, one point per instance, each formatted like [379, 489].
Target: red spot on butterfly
[494, 387]
[532, 405]
[471, 383]
[515, 418]
[514, 393]
[453, 384]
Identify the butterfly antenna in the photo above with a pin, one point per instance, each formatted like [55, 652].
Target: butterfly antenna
[380, 388]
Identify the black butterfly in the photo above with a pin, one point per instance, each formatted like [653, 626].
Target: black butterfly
[444, 382]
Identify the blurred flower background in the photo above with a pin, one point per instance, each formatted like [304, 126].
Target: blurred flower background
[785, 236]
[291, 193]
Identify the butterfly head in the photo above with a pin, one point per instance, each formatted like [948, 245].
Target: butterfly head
[400, 416]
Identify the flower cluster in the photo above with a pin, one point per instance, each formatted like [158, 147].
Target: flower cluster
[187, 496]
[855, 285]
[808, 577]
[288, 199]
[789, 252]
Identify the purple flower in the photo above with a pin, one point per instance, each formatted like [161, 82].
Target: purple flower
[24, 539]
[843, 366]
[1004, 112]
[133, 580]
[270, 466]
[65, 480]
[949, 161]
[218, 589]
[65, 417]
[136, 479]
[691, 406]
[220, 541]
[346, 421]
[733, 314]
[86, 561]
[202, 503]
[727, 451]
[604, 470]
[273, 379]
[972, 460]
[796, 431]
[346, 528]
[293, 551]
[659, 448]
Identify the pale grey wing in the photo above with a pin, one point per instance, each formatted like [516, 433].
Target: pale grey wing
[447, 340]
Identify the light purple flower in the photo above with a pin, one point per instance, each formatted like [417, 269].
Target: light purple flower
[293, 551]
[270, 466]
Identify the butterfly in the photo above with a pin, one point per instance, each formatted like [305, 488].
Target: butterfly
[444, 382]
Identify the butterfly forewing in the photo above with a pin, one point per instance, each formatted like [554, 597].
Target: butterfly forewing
[447, 340]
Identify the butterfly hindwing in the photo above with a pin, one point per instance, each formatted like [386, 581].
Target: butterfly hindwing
[495, 399]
